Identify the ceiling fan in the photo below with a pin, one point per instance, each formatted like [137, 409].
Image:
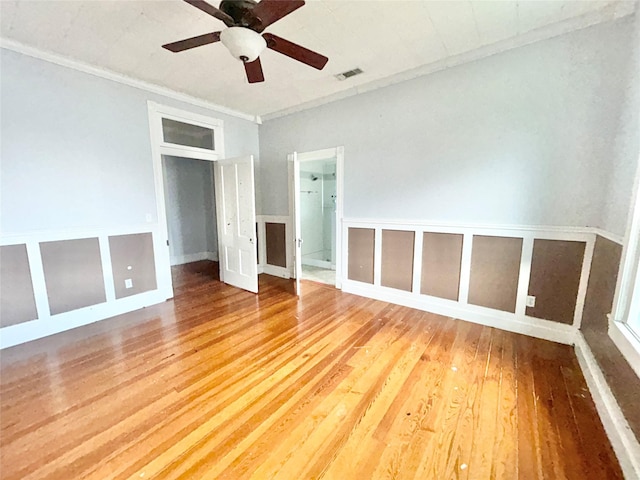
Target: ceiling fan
[246, 20]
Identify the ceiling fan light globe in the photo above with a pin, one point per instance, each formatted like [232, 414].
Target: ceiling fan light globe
[243, 43]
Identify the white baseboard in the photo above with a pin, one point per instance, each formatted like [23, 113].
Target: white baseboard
[312, 262]
[274, 270]
[622, 439]
[533, 327]
[193, 257]
[27, 331]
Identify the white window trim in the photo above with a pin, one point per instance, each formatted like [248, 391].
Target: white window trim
[624, 322]
[158, 112]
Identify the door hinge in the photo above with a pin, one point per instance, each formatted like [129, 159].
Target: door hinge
[167, 243]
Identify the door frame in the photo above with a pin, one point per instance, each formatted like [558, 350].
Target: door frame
[159, 148]
[327, 153]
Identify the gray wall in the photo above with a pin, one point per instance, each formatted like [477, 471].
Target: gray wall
[625, 159]
[521, 137]
[191, 215]
[76, 149]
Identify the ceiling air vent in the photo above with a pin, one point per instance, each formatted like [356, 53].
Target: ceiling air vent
[349, 73]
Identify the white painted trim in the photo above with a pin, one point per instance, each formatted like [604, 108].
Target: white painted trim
[47, 324]
[534, 327]
[339, 215]
[627, 342]
[193, 257]
[276, 271]
[313, 262]
[465, 268]
[107, 269]
[624, 442]
[156, 113]
[547, 329]
[608, 13]
[524, 276]
[161, 245]
[185, 116]
[377, 256]
[123, 79]
[273, 218]
[608, 235]
[51, 324]
[323, 154]
[75, 233]
[261, 220]
[261, 231]
[626, 300]
[546, 232]
[417, 261]
[312, 156]
[37, 281]
[585, 273]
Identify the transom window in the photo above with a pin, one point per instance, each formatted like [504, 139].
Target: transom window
[187, 134]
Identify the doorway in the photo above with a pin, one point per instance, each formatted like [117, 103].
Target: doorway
[318, 194]
[316, 203]
[191, 210]
[180, 138]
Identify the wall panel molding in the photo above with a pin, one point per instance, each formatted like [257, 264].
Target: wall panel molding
[264, 243]
[515, 320]
[17, 300]
[49, 324]
[624, 442]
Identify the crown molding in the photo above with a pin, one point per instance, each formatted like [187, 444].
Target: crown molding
[609, 13]
[120, 78]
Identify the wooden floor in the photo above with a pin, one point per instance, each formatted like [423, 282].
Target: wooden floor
[220, 383]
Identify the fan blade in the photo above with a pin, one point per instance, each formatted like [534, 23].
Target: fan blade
[213, 11]
[193, 42]
[254, 71]
[270, 11]
[290, 49]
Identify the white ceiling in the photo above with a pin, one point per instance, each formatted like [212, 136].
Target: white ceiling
[382, 37]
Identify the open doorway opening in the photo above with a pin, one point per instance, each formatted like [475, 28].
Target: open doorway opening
[318, 193]
[187, 136]
[315, 202]
[191, 220]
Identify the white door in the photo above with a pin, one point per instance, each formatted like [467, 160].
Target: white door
[236, 214]
[297, 241]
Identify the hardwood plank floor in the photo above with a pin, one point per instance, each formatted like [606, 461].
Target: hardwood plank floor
[221, 383]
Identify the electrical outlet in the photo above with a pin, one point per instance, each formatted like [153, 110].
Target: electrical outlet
[531, 301]
[128, 283]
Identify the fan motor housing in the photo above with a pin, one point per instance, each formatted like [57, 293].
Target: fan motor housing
[238, 10]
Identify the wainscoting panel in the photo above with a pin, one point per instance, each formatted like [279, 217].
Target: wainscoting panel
[621, 378]
[361, 254]
[556, 267]
[132, 259]
[441, 262]
[476, 273]
[397, 259]
[602, 285]
[74, 277]
[495, 269]
[73, 274]
[17, 301]
[276, 244]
